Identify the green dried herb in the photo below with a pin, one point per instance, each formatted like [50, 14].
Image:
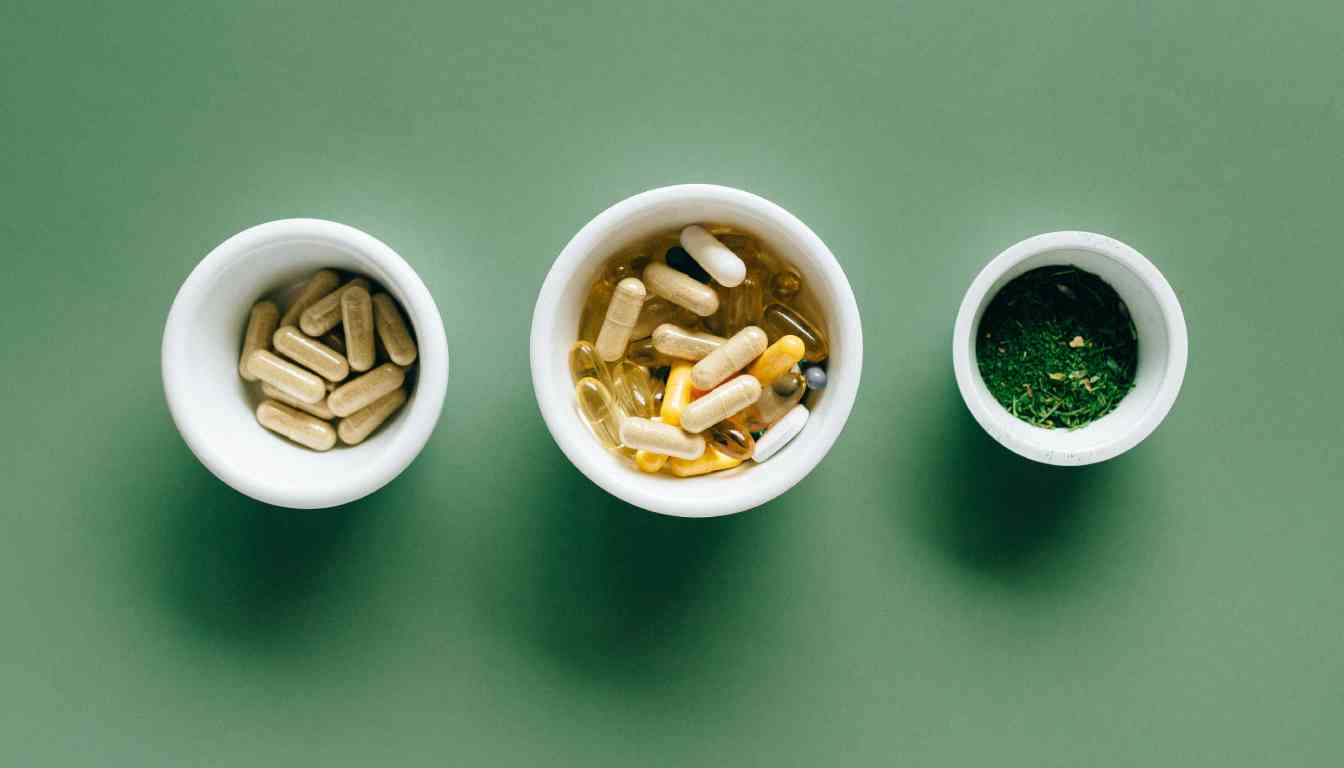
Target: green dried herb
[1057, 347]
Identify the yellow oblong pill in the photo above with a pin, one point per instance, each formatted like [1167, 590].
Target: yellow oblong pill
[777, 359]
[711, 461]
[676, 394]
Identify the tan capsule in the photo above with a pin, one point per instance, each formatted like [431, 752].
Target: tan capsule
[357, 318]
[286, 376]
[622, 312]
[311, 353]
[725, 401]
[261, 323]
[392, 330]
[655, 437]
[357, 393]
[731, 356]
[360, 424]
[681, 289]
[318, 409]
[300, 427]
[657, 311]
[319, 285]
[325, 313]
[675, 341]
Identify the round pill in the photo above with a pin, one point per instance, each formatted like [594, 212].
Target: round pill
[816, 377]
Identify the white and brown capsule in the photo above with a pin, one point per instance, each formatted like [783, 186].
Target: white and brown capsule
[622, 312]
[725, 401]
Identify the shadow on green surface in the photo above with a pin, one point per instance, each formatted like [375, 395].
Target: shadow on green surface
[238, 569]
[1002, 515]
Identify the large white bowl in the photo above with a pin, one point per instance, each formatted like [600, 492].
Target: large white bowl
[1162, 348]
[210, 404]
[555, 325]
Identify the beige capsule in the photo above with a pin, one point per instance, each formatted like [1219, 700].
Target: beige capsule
[303, 429]
[656, 437]
[357, 393]
[681, 289]
[675, 341]
[731, 356]
[392, 330]
[318, 409]
[311, 353]
[725, 401]
[325, 313]
[261, 324]
[319, 285]
[286, 376]
[657, 311]
[357, 319]
[360, 424]
[622, 312]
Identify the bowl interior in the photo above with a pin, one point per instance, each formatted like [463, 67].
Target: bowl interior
[214, 407]
[1154, 359]
[556, 324]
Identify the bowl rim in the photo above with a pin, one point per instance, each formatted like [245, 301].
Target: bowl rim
[557, 411]
[976, 395]
[431, 383]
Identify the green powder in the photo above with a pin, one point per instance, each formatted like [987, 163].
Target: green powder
[1057, 347]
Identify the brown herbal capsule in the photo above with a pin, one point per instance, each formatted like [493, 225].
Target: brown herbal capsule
[322, 283]
[325, 313]
[286, 376]
[311, 353]
[357, 317]
[261, 324]
[392, 330]
[357, 393]
[300, 427]
[360, 424]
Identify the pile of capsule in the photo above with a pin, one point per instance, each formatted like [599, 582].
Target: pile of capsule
[695, 352]
[304, 364]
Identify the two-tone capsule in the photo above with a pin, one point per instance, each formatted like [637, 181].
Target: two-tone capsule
[626, 301]
[725, 401]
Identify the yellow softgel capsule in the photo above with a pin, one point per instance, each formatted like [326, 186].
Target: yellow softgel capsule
[286, 376]
[354, 428]
[318, 409]
[599, 412]
[731, 356]
[725, 401]
[594, 311]
[657, 311]
[681, 289]
[650, 462]
[622, 312]
[310, 353]
[675, 341]
[357, 320]
[777, 359]
[648, 435]
[357, 393]
[303, 429]
[325, 313]
[392, 330]
[676, 393]
[319, 285]
[584, 362]
[261, 324]
[731, 438]
[632, 387]
[712, 460]
[780, 320]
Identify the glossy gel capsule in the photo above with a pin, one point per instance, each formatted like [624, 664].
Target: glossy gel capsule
[310, 353]
[287, 377]
[780, 320]
[261, 324]
[722, 264]
[599, 412]
[357, 393]
[724, 402]
[656, 437]
[733, 355]
[303, 429]
[622, 313]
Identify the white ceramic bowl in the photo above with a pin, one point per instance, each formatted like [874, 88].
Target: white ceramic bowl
[1162, 348]
[555, 324]
[210, 403]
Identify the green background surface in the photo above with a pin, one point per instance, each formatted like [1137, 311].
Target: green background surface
[923, 598]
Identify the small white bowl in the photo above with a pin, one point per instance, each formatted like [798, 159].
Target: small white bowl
[1163, 348]
[555, 324]
[210, 404]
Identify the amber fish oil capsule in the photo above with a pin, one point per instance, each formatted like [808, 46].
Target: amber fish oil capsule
[731, 438]
[731, 356]
[392, 330]
[319, 285]
[724, 402]
[286, 376]
[303, 429]
[633, 389]
[318, 409]
[311, 353]
[584, 362]
[675, 341]
[723, 265]
[354, 428]
[325, 313]
[780, 320]
[357, 318]
[622, 312]
[681, 289]
[599, 412]
[655, 437]
[261, 324]
[357, 393]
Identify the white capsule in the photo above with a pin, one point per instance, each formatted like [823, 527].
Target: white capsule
[722, 264]
[622, 312]
[725, 401]
[656, 437]
[675, 341]
[781, 433]
[731, 356]
[681, 289]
